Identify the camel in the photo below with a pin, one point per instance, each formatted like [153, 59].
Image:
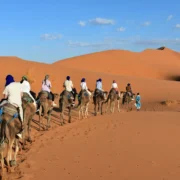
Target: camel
[84, 103]
[10, 127]
[113, 97]
[126, 99]
[65, 101]
[29, 111]
[45, 108]
[98, 99]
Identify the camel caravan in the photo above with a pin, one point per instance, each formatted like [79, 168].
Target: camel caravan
[20, 104]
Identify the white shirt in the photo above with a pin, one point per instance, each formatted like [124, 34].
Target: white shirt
[26, 86]
[99, 85]
[84, 86]
[13, 92]
[68, 85]
[114, 85]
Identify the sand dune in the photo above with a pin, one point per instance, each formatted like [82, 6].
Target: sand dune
[126, 145]
[149, 63]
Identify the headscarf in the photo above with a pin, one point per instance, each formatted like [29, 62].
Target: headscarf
[83, 80]
[114, 81]
[68, 78]
[25, 78]
[9, 80]
[100, 80]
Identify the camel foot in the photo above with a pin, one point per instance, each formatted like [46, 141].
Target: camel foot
[95, 114]
[13, 163]
[29, 140]
[24, 147]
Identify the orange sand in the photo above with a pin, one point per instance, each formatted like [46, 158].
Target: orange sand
[125, 145]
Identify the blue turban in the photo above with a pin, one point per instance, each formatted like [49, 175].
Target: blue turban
[68, 78]
[83, 80]
[9, 80]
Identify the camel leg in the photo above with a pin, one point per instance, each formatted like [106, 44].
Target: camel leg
[113, 106]
[69, 114]
[24, 136]
[2, 162]
[29, 129]
[80, 112]
[62, 107]
[40, 112]
[48, 121]
[107, 107]
[83, 111]
[118, 106]
[2, 148]
[102, 108]
[49, 118]
[86, 110]
[61, 119]
[99, 106]
[25, 130]
[95, 105]
[9, 154]
[13, 162]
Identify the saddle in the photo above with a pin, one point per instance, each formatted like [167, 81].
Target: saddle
[85, 93]
[68, 94]
[43, 96]
[10, 109]
[27, 98]
[97, 92]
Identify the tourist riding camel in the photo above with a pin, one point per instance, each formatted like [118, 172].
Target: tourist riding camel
[115, 86]
[68, 85]
[129, 90]
[26, 88]
[46, 86]
[83, 87]
[99, 89]
[13, 93]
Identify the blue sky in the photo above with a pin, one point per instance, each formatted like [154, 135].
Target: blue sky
[50, 30]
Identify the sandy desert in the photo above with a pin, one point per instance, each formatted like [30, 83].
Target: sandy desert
[126, 145]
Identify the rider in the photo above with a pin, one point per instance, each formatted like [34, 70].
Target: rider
[46, 86]
[99, 86]
[13, 93]
[83, 87]
[27, 88]
[68, 85]
[129, 90]
[115, 86]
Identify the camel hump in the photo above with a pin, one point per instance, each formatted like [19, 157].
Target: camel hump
[10, 109]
